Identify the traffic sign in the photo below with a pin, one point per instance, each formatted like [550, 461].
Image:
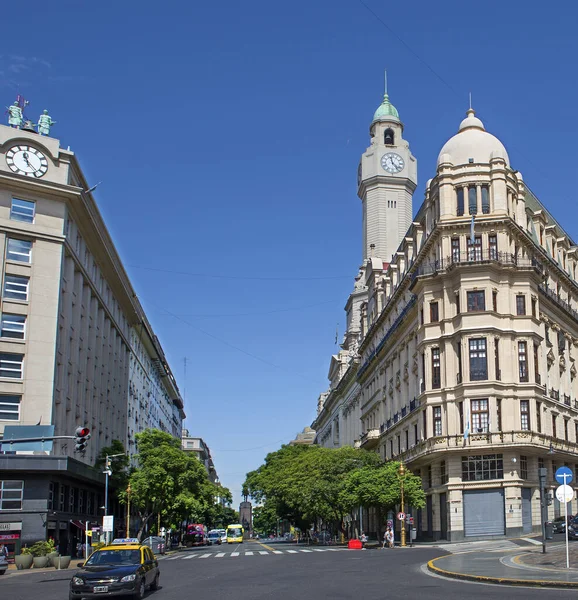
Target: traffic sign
[563, 475]
[108, 523]
[564, 493]
[400, 516]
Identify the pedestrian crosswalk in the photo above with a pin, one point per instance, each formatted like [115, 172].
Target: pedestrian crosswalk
[245, 553]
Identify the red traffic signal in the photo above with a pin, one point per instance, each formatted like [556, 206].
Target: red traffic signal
[81, 435]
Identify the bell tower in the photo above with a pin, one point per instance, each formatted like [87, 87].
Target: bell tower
[386, 180]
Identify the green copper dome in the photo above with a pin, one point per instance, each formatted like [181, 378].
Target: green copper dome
[386, 110]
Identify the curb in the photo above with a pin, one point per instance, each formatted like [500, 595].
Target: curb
[539, 583]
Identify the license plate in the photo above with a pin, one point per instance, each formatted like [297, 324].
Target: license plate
[101, 589]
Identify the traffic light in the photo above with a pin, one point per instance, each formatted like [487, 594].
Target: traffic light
[81, 437]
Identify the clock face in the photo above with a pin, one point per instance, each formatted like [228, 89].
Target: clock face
[392, 162]
[26, 160]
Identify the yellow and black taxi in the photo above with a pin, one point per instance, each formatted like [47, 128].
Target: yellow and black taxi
[125, 567]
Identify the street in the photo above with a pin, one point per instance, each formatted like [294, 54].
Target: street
[253, 571]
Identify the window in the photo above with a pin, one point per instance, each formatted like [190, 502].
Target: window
[10, 408]
[457, 303]
[16, 287]
[536, 365]
[12, 326]
[461, 416]
[22, 210]
[485, 200]
[497, 358]
[476, 301]
[460, 198]
[566, 429]
[554, 432]
[480, 416]
[415, 434]
[443, 472]
[539, 417]
[437, 420]
[525, 415]
[493, 246]
[421, 316]
[524, 467]
[388, 137]
[399, 444]
[456, 249]
[435, 369]
[406, 439]
[482, 467]
[495, 301]
[523, 361]
[11, 365]
[475, 249]
[19, 250]
[434, 312]
[520, 304]
[472, 200]
[533, 306]
[576, 431]
[561, 343]
[391, 447]
[429, 477]
[499, 413]
[478, 359]
[11, 495]
[459, 357]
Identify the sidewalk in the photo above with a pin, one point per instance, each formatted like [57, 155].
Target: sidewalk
[529, 568]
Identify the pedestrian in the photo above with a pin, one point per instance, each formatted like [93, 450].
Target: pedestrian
[3, 551]
[389, 537]
[363, 539]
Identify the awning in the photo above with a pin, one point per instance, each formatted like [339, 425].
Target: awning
[80, 524]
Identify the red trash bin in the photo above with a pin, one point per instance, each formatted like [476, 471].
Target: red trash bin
[354, 545]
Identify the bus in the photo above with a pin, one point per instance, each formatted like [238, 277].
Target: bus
[234, 534]
[196, 535]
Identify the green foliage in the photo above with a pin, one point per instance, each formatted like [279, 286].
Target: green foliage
[118, 465]
[169, 481]
[265, 518]
[40, 548]
[25, 550]
[381, 487]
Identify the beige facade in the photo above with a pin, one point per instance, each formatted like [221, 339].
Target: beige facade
[69, 312]
[468, 346]
[200, 449]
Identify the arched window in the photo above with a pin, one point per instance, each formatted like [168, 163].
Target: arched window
[388, 137]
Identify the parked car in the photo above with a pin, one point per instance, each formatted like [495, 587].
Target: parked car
[156, 543]
[214, 537]
[3, 564]
[559, 524]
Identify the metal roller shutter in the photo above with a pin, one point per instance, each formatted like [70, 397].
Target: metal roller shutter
[484, 512]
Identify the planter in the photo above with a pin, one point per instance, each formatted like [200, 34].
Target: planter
[40, 562]
[52, 556]
[23, 561]
[61, 562]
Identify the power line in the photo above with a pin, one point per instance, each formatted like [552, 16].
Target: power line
[255, 314]
[239, 277]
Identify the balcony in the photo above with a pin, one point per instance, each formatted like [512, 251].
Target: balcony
[369, 439]
[554, 394]
[567, 400]
[552, 295]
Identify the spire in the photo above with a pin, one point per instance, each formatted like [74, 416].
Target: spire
[386, 111]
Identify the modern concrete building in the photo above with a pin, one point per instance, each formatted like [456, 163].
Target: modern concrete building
[202, 452]
[69, 340]
[468, 340]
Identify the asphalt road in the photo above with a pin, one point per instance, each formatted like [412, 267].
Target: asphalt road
[332, 574]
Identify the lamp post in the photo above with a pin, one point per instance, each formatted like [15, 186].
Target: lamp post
[107, 472]
[401, 473]
[128, 491]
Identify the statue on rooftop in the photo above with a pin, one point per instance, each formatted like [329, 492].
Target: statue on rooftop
[14, 115]
[45, 123]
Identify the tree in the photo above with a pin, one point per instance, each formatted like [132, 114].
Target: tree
[167, 481]
[265, 518]
[118, 465]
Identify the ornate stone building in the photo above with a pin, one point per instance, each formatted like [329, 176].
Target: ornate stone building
[468, 338]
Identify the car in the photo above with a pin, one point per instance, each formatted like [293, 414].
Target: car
[125, 567]
[156, 544]
[214, 538]
[3, 564]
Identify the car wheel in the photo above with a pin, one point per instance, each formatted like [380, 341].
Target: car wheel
[155, 583]
[139, 595]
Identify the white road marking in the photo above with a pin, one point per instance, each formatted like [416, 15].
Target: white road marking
[190, 556]
[235, 553]
[291, 551]
[206, 555]
[263, 552]
[305, 550]
[220, 555]
[248, 554]
[277, 552]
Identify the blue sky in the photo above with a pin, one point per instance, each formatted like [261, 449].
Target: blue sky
[227, 137]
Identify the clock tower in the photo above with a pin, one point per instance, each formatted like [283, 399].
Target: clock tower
[386, 180]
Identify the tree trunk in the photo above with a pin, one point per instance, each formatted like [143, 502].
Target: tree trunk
[145, 519]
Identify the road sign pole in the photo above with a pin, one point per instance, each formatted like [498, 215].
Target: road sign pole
[543, 508]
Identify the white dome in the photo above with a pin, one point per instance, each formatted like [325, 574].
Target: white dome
[472, 142]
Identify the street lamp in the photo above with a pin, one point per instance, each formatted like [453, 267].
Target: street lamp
[128, 491]
[401, 474]
[107, 472]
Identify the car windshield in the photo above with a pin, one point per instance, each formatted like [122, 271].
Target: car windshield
[114, 557]
[213, 535]
[234, 533]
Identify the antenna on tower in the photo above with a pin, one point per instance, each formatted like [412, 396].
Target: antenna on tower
[470, 100]
[385, 80]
